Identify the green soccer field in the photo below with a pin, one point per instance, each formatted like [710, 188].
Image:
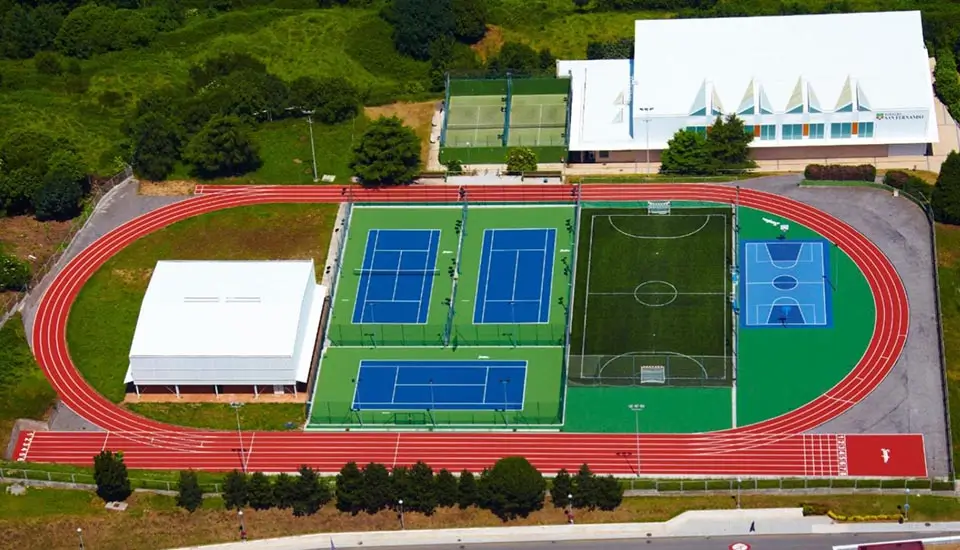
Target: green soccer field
[652, 298]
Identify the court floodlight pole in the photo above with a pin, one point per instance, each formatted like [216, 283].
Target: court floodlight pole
[636, 408]
[243, 455]
[80, 536]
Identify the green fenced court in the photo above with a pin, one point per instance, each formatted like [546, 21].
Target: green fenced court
[456, 283]
[486, 116]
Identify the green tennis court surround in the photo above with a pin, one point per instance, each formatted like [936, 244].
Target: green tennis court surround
[527, 318]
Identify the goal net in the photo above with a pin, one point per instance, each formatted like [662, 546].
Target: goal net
[658, 207]
[642, 368]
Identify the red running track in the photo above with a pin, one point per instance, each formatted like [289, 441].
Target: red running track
[775, 447]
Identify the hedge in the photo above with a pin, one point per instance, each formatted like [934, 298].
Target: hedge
[837, 172]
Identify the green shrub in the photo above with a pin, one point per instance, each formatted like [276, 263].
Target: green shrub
[14, 273]
[48, 63]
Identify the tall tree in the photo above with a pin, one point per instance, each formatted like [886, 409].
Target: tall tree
[284, 490]
[221, 65]
[424, 485]
[260, 492]
[388, 153]
[189, 494]
[946, 192]
[467, 490]
[311, 493]
[377, 489]
[156, 145]
[609, 493]
[402, 486]
[514, 488]
[235, 490]
[110, 475]
[222, 148]
[686, 154]
[417, 23]
[585, 488]
[332, 99]
[62, 190]
[446, 489]
[470, 20]
[350, 489]
[728, 144]
[561, 487]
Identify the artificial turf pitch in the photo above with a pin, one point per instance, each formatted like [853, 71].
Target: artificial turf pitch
[652, 290]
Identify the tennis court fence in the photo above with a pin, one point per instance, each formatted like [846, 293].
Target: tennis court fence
[650, 369]
[537, 414]
[460, 334]
[500, 126]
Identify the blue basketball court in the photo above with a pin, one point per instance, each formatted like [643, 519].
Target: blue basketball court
[399, 266]
[785, 284]
[440, 385]
[516, 271]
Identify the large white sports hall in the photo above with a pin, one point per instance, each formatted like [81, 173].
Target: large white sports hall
[237, 327]
[807, 86]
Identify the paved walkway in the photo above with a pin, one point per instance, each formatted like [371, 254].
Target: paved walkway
[704, 523]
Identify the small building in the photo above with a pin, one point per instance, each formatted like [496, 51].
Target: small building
[227, 327]
[807, 87]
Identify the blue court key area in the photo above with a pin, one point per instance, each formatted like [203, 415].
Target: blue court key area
[440, 385]
[785, 284]
[516, 270]
[397, 276]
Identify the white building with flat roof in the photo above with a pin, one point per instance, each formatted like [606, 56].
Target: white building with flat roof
[858, 84]
[212, 324]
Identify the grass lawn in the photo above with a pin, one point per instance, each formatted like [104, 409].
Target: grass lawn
[647, 283]
[104, 316]
[285, 151]
[948, 262]
[24, 391]
[348, 42]
[265, 416]
[39, 520]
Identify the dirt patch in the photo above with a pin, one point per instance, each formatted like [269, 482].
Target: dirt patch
[418, 116]
[490, 44]
[174, 188]
[133, 276]
[32, 241]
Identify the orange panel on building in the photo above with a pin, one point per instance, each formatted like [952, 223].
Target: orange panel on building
[806, 130]
[854, 130]
[756, 131]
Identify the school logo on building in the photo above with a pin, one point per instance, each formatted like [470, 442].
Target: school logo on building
[899, 116]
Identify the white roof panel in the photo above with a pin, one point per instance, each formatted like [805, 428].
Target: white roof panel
[210, 309]
[884, 52]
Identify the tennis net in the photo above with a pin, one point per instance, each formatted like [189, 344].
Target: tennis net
[475, 126]
[424, 272]
[544, 125]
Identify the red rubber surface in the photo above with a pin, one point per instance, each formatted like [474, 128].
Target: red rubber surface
[773, 447]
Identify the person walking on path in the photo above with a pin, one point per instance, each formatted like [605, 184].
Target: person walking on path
[753, 527]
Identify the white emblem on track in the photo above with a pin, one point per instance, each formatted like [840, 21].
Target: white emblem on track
[886, 455]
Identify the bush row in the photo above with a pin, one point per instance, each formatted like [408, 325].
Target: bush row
[946, 81]
[510, 488]
[909, 184]
[837, 172]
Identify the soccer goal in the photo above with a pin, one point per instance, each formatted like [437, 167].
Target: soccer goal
[658, 207]
[653, 374]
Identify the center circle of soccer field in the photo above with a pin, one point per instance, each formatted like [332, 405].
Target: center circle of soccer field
[785, 282]
[655, 293]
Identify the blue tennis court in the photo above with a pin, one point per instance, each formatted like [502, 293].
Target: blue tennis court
[399, 266]
[440, 385]
[784, 284]
[516, 270]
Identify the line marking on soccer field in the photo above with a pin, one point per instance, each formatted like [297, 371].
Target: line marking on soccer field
[685, 235]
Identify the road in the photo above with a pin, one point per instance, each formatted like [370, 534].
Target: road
[804, 542]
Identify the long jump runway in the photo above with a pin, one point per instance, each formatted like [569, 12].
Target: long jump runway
[776, 447]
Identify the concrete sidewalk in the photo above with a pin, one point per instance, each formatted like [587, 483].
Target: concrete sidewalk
[704, 523]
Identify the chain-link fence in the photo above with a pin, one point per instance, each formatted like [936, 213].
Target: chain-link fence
[85, 480]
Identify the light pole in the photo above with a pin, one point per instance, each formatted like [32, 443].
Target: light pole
[738, 493]
[243, 530]
[243, 455]
[636, 408]
[400, 502]
[906, 504]
[569, 508]
[80, 536]
[313, 149]
[646, 124]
